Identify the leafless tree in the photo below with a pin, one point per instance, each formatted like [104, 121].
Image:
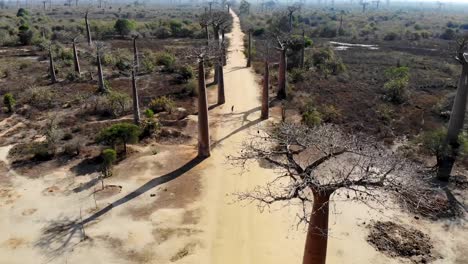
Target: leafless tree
[291, 10]
[204, 21]
[312, 164]
[249, 50]
[202, 54]
[88, 29]
[136, 103]
[218, 19]
[364, 6]
[282, 48]
[136, 61]
[99, 51]
[53, 76]
[76, 61]
[457, 116]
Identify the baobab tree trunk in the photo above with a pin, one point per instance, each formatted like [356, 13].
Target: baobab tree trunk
[102, 86]
[266, 83]
[203, 129]
[53, 77]
[136, 104]
[315, 251]
[303, 49]
[76, 62]
[88, 30]
[282, 75]
[216, 37]
[136, 61]
[229, 8]
[249, 59]
[455, 126]
[207, 33]
[221, 96]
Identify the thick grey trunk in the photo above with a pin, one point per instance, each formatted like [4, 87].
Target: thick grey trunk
[265, 98]
[282, 75]
[216, 70]
[203, 125]
[455, 126]
[249, 51]
[136, 61]
[88, 30]
[136, 104]
[207, 33]
[76, 61]
[303, 50]
[53, 77]
[221, 95]
[315, 251]
[102, 86]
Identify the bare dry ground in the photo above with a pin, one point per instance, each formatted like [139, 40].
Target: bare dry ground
[166, 206]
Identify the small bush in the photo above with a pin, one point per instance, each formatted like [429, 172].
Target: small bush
[391, 36]
[161, 104]
[149, 113]
[297, 75]
[109, 156]
[121, 133]
[396, 88]
[72, 148]
[150, 127]
[40, 97]
[185, 73]
[118, 103]
[310, 116]
[124, 26]
[148, 65]
[191, 88]
[9, 102]
[166, 59]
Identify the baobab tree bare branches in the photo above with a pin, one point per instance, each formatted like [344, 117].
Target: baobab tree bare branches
[313, 163]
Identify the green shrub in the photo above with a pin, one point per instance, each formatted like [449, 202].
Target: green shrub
[109, 156]
[191, 88]
[124, 26]
[296, 75]
[150, 126]
[310, 115]
[22, 13]
[9, 102]
[118, 103]
[149, 113]
[40, 97]
[185, 73]
[166, 59]
[121, 133]
[148, 65]
[396, 88]
[161, 104]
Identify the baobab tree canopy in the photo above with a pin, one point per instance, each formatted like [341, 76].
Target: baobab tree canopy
[320, 160]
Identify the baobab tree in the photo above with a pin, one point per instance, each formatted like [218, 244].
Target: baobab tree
[76, 62]
[136, 104]
[249, 48]
[136, 61]
[313, 164]
[202, 54]
[364, 6]
[457, 116]
[204, 21]
[88, 29]
[282, 48]
[99, 51]
[53, 76]
[218, 19]
[291, 10]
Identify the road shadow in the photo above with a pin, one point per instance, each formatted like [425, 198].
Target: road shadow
[245, 119]
[57, 236]
[86, 186]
